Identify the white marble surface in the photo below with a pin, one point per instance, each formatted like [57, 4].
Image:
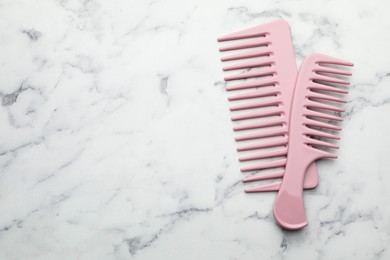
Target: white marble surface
[116, 143]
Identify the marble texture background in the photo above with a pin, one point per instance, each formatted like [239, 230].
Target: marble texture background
[116, 143]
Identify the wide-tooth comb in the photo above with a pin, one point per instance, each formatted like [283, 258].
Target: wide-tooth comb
[274, 62]
[313, 91]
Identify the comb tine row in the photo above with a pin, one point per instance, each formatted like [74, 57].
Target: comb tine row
[248, 44]
[264, 144]
[316, 123]
[314, 132]
[327, 97]
[266, 165]
[316, 142]
[319, 105]
[322, 115]
[332, 71]
[274, 186]
[257, 104]
[265, 155]
[252, 32]
[266, 133]
[266, 176]
[329, 79]
[322, 87]
[257, 114]
[270, 81]
[259, 62]
[264, 71]
[333, 61]
[264, 51]
[263, 123]
[255, 94]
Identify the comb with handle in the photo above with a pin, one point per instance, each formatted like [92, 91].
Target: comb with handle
[273, 72]
[311, 129]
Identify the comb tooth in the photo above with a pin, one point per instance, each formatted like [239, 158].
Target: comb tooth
[272, 143]
[274, 186]
[252, 74]
[248, 44]
[271, 81]
[265, 51]
[332, 71]
[263, 113]
[254, 94]
[266, 133]
[327, 97]
[328, 88]
[263, 123]
[314, 132]
[321, 143]
[267, 165]
[323, 115]
[256, 104]
[246, 33]
[324, 106]
[332, 60]
[250, 64]
[330, 79]
[264, 155]
[312, 122]
[267, 176]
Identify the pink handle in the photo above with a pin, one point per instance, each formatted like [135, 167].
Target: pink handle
[289, 210]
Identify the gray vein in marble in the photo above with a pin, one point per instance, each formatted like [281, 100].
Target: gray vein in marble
[32, 34]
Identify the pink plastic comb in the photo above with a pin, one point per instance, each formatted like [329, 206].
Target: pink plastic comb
[274, 62]
[314, 96]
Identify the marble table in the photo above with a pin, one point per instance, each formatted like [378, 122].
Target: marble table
[116, 140]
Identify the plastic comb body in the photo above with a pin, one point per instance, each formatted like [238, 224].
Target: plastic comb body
[312, 127]
[273, 71]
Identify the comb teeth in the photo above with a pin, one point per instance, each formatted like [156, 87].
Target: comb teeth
[248, 44]
[314, 132]
[252, 74]
[264, 51]
[265, 144]
[267, 165]
[322, 115]
[271, 175]
[265, 155]
[252, 32]
[256, 104]
[254, 94]
[322, 87]
[274, 186]
[263, 113]
[267, 133]
[316, 142]
[271, 81]
[326, 97]
[319, 105]
[324, 59]
[260, 62]
[312, 122]
[332, 71]
[265, 123]
[329, 79]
